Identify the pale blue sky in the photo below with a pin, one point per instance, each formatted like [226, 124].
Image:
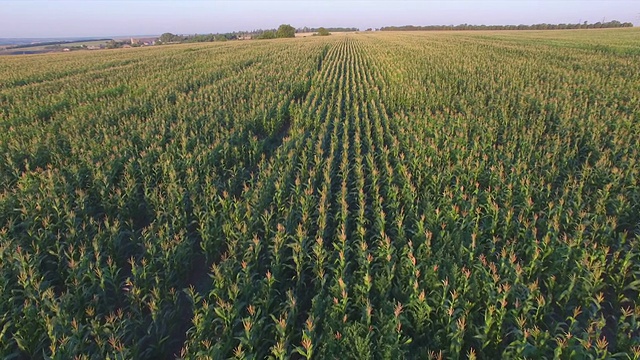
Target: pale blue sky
[59, 18]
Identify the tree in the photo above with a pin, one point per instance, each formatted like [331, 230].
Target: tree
[323, 32]
[267, 35]
[113, 44]
[286, 31]
[169, 38]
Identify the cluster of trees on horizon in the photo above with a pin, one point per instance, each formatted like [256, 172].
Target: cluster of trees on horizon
[585, 25]
[330, 29]
[169, 38]
[285, 30]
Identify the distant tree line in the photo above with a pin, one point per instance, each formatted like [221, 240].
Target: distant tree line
[117, 44]
[329, 29]
[284, 31]
[585, 25]
[51, 43]
[169, 38]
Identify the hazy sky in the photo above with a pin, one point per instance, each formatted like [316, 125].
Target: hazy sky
[58, 18]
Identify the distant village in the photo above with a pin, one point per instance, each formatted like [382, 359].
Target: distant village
[41, 47]
[129, 43]
[68, 46]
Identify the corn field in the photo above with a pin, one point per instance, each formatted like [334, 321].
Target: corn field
[363, 196]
